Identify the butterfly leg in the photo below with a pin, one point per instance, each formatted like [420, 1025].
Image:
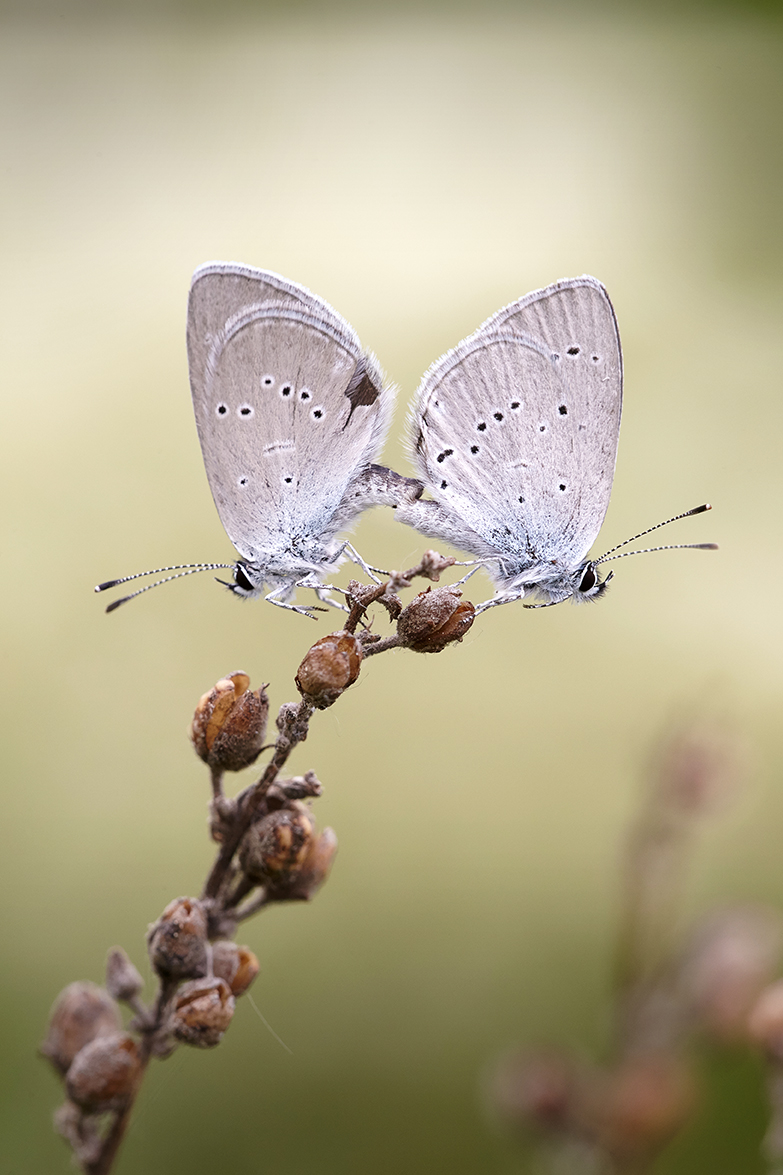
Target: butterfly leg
[322, 592]
[312, 582]
[353, 554]
[473, 564]
[503, 598]
[284, 590]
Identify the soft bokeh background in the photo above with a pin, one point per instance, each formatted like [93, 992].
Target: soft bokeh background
[417, 167]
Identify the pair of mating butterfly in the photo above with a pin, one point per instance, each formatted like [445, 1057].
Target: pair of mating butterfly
[514, 433]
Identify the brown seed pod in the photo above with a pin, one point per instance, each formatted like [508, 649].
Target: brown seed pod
[237, 965]
[81, 1012]
[229, 724]
[274, 849]
[202, 1012]
[638, 1106]
[177, 942]
[434, 619]
[105, 1072]
[328, 668]
[315, 867]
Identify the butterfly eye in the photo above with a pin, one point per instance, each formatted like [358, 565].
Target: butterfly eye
[588, 580]
[241, 580]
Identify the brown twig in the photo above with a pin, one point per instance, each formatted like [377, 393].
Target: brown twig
[228, 733]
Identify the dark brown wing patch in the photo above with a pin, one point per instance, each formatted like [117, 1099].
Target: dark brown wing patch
[361, 391]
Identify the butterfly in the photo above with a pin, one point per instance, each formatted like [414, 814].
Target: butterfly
[291, 413]
[514, 432]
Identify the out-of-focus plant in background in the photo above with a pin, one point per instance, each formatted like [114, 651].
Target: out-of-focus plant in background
[418, 167]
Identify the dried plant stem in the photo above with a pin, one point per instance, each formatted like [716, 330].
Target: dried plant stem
[104, 1161]
[112, 1142]
[233, 713]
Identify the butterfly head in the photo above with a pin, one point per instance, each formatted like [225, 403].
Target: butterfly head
[248, 580]
[586, 584]
[579, 585]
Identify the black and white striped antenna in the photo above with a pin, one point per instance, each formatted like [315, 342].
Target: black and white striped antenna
[182, 570]
[610, 556]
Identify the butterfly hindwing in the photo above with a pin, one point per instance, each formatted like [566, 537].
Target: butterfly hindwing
[289, 410]
[516, 429]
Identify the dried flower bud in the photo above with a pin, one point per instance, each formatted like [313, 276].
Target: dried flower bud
[274, 849]
[80, 1131]
[434, 619]
[315, 867]
[123, 981]
[730, 959]
[535, 1087]
[237, 965]
[328, 668]
[299, 787]
[229, 724]
[81, 1012]
[202, 1012]
[697, 768]
[105, 1072]
[177, 942]
[765, 1022]
[641, 1104]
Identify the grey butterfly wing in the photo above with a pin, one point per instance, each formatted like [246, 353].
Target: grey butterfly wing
[219, 289]
[530, 408]
[288, 408]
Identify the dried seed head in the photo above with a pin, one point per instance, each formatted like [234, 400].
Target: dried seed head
[730, 959]
[636, 1108]
[202, 1012]
[328, 668]
[177, 942]
[81, 1012]
[434, 619]
[104, 1073]
[315, 867]
[123, 981]
[229, 724]
[535, 1088]
[237, 965]
[765, 1022]
[274, 849]
[696, 769]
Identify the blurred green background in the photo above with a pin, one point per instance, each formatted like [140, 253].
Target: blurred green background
[418, 167]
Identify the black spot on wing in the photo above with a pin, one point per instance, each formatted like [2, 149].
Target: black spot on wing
[361, 391]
